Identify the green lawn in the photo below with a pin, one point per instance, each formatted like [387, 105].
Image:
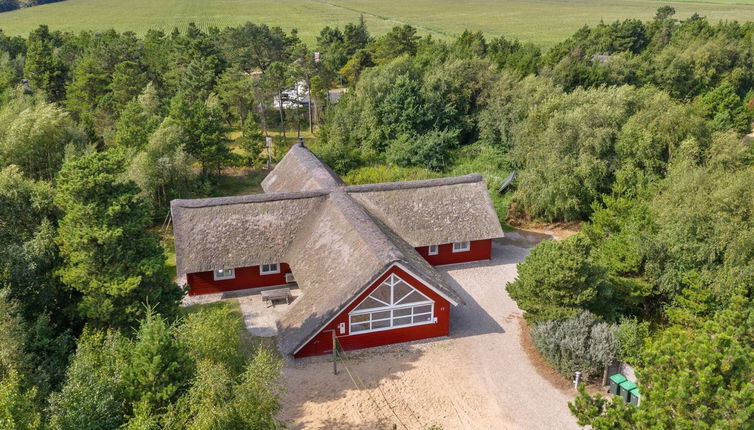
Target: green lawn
[540, 21]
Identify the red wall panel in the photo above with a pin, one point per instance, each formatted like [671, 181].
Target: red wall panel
[246, 277]
[322, 342]
[478, 250]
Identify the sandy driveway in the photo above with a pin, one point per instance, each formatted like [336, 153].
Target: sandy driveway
[479, 378]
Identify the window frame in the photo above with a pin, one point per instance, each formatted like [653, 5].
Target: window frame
[392, 309]
[436, 250]
[268, 271]
[224, 277]
[465, 248]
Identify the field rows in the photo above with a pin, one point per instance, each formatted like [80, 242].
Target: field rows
[541, 21]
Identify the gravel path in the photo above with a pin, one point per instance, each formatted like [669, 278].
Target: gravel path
[479, 378]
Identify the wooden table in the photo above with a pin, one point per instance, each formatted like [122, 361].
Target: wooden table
[278, 294]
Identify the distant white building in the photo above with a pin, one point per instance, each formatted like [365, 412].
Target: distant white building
[293, 97]
[298, 95]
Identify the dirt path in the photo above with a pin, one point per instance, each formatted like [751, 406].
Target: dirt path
[479, 378]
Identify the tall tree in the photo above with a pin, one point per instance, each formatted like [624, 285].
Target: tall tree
[276, 80]
[37, 138]
[400, 40]
[204, 132]
[43, 67]
[109, 256]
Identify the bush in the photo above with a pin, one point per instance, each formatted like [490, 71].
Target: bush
[581, 343]
[631, 335]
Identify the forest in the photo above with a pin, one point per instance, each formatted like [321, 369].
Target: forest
[634, 130]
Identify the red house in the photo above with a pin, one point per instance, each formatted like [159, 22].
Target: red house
[362, 256]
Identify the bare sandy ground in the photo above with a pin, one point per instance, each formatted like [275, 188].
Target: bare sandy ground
[479, 378]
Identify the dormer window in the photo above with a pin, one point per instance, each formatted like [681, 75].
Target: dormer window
[461, 246]
[269, 269]
[223, 274]
[432, 250]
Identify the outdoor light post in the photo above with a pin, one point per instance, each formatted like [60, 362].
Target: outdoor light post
[576, 380]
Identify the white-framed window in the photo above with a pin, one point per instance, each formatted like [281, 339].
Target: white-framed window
[269, 269]
[223, 274]
[461, 246]
[432, 250]
[393, 304]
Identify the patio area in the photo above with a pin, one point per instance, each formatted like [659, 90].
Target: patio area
[259, 316]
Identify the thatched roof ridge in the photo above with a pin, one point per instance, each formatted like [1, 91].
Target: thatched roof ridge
[249, 198]
[423, 183]
[300, 170]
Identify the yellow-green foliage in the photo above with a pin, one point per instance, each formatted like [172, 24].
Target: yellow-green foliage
[383, 173]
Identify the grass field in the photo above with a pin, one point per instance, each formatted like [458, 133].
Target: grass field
[541, 21]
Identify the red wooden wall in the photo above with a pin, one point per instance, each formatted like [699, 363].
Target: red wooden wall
[478, 250]
[246, 277]
[322, 342]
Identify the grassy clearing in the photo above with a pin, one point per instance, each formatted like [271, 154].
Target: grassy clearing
[239, 183]
[541, 21]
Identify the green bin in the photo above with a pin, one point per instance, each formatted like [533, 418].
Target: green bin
[625, 390]
[615, 381]
[635, 397]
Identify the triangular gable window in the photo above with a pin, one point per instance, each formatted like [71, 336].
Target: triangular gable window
[393, 304]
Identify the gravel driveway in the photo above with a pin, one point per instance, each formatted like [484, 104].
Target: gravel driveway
[479, 378]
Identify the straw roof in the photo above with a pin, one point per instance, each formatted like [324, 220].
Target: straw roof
[434, 211]
[300, 170]
[240, 231]
[342, 252]
[337, 240]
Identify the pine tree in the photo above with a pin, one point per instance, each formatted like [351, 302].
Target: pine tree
[43, 67]
[109, 255]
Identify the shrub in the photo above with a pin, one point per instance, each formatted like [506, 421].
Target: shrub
[581, 343]
[631, 334]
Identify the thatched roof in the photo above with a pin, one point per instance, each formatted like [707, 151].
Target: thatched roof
[341, 252]
[337, 240]
[240, 231]
[300, 170]
[434, 211]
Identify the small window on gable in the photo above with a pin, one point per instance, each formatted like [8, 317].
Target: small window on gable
[269, 269]
[223, 274]
[432, 250]
[461, 246]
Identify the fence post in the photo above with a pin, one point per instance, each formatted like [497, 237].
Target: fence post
[334, 354]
